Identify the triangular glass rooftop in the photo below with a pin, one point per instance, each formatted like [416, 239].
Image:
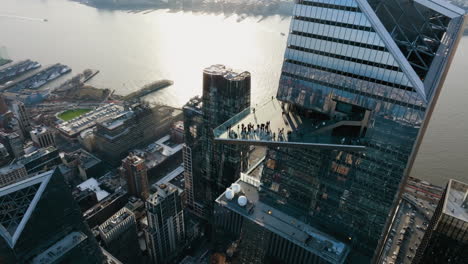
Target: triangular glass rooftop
[417, 27]
[17, 202]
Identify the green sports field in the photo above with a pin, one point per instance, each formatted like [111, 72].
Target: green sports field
[70, 114]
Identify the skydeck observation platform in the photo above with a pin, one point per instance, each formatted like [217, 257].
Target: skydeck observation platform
[273, 124]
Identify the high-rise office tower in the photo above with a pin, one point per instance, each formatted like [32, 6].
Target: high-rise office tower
[225, 93]
[23, 118]
[120, 236]
[41, 223]
[3, 105]
[165, 236]
[135, 172]
[5, 157]
[446, 238]
[13, 143]
[192, 156]
[42, 136]
[41, 160]
[359, 82]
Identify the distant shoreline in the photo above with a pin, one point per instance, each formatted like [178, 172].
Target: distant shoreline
[122, 6]
[262, 8]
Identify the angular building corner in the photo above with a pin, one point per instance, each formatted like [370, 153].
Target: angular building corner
[42, 223]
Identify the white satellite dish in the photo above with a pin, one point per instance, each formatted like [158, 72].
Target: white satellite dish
[242, 201]
[236, 187]
[229, 194]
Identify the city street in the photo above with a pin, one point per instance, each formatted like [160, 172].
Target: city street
[412, 219]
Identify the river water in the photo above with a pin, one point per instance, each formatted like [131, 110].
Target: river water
[132, 49]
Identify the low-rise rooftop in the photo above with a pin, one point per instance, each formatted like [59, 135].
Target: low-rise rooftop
[288, 227]
[60, 248]
[116, 121]
[456, 200]
[86, 159]
[9, 168]
[75, 126]
[112, 198]
[110, 259]
[157, 152]
[93, 185]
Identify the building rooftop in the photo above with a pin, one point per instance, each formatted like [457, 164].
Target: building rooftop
[117, 121]
[86, 159]
[10, 167]
[109, 258]
[29, 148]
[456, 200]
[17, 203]
[285, 128]
[111, 181]
[3, 151]
[163, 191]
[133, 159]
[39, 130]
[195, 104]
[134, 203]
[9, 135]
[227, 73]
[93, 185]
[173, 177]
[35, 155]
[179, 125]
[119, 219]
[157, 152]
[77, 125]
[79, 194]
[179, 180]
[284, 225]
[118, 194]
[60, 248]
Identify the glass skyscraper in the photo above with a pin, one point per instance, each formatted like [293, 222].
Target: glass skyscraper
[359, 83]
[209, 167]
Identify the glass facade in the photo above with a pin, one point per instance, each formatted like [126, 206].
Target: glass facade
[33, 229]
[344, 56]
[210, 167]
